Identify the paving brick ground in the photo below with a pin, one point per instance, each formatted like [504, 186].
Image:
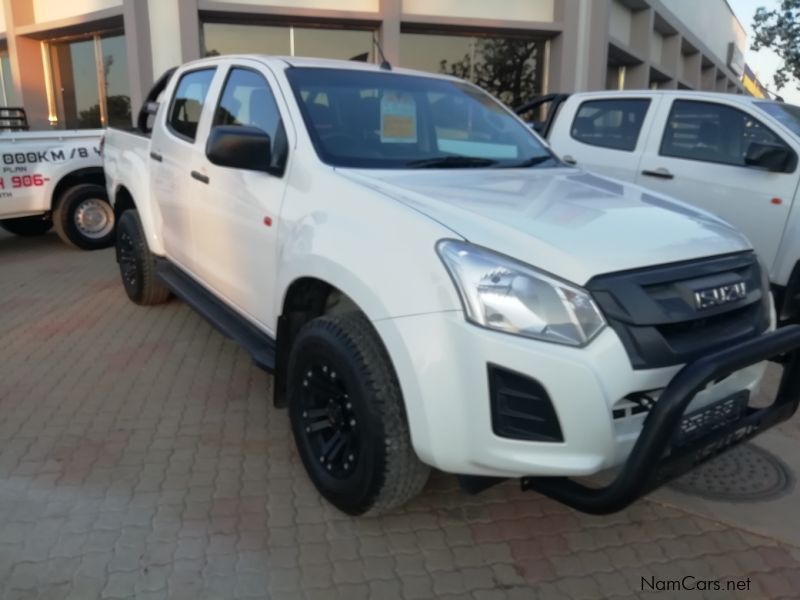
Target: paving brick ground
[140, 458]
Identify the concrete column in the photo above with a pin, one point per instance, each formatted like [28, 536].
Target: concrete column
[174, 33]
[391, 13]
[27, 66]
[138, 46]
[579, 55]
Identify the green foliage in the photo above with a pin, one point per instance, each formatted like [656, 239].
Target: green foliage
[779, 30]
[505, 67]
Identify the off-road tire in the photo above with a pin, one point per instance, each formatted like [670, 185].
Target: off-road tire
[136, 262]
[347, 358]
[28, 226]
[89, 228]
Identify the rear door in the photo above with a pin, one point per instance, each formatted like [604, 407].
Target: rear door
[174, 154]
[236, 215]
[604, 134]
[697, 155]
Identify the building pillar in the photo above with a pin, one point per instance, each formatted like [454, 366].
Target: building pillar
[579, 55]
[391, 15]
[166, 19]
[136, 18]
[27, 65]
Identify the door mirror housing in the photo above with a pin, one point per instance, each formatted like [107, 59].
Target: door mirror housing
[774, 158]
[240, 147]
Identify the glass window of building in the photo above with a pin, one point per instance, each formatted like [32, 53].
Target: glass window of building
[8, 93]
[510, 68]
[289, 40]
[90, 81]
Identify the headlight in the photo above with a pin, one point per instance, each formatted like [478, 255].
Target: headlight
[506, 295]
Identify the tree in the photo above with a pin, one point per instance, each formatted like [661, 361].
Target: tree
[505, 67]
[779, 30]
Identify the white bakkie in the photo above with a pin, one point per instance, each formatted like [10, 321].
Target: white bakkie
[733, 155]
[55, 180]
[432, 287]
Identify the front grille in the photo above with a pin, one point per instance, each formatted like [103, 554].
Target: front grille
[654, 314]
[521, 408]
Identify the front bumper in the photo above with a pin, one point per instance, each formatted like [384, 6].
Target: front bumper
[654, 460]
[441, 363]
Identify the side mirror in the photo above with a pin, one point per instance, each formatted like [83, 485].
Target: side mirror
[538, 127]
[240, 147]
[768, 156]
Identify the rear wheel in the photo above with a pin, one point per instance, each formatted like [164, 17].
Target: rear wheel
[28, 226]
[136, 262]
[348, 418]
[83, 217]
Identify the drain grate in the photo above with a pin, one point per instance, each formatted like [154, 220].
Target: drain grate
[745, 473]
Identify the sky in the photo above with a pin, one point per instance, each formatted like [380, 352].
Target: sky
[764, 62]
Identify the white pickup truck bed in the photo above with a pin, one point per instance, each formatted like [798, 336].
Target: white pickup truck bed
[55, 179]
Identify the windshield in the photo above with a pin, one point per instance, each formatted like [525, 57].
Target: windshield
[394, 121]
[787, 114]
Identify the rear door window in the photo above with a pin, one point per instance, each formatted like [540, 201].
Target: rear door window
[613, 123]
[187, 102]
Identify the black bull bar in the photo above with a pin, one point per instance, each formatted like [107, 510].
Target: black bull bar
[654, 461]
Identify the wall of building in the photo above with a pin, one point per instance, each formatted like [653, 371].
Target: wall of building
[53, 10]
[714, 23]
[512, 10]
[354, 5]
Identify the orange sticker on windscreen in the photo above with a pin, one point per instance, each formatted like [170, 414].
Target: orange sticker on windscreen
[398, 118]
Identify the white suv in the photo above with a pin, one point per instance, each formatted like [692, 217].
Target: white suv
[433, 287]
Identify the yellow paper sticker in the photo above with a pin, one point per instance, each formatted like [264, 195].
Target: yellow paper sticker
[398, 118]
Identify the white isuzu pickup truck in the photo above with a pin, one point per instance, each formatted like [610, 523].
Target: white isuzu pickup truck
[733, 155]
[55, 180]
[432, 287]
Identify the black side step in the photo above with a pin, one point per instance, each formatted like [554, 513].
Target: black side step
[260, 345]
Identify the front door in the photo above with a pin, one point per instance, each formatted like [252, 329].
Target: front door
[700, 159]
[236, 220]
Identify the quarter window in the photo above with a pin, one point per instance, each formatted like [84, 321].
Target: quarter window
[247, 101]
[187, 104]
[610, 123]
[711, 132]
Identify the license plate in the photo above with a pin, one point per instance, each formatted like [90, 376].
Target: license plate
[718, 414]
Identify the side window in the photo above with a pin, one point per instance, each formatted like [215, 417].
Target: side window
[610, 123]
[247, 100]
[187, 103]
[712, 132]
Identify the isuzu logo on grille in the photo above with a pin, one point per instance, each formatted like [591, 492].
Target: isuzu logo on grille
[719, 295]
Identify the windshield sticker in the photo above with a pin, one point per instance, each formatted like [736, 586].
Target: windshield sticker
[398, 119]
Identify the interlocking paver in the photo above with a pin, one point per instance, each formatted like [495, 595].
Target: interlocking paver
[140, 457]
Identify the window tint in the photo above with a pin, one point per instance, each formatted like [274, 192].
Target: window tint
[713, 133]
[187, 104]
[610, 123]
[247, 100]
[389, 120]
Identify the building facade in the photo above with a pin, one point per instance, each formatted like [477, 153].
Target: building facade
[89, 63]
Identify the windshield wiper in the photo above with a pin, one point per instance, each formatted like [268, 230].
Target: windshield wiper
[451, 162]
[529, 162]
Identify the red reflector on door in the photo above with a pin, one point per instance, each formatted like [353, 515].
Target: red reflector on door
[268, 221]
[777, 201]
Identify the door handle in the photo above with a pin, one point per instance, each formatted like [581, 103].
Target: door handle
[569, 160]
[200, 177]
[156, 156]
[661, 173]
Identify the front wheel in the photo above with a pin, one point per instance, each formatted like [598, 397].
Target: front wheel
[27, 226]
[83, 217]
[348, 419]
